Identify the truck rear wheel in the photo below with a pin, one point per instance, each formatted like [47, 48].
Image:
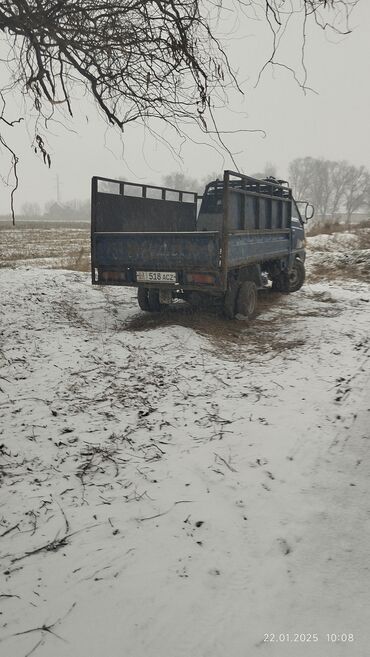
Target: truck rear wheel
[148, 299]
[153, 300]
[229, 301]
[142, 298]
[246, 301]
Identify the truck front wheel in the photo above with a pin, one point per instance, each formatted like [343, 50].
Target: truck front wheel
[296, 276]
[246, 301]
[291, 281]
[281, 283]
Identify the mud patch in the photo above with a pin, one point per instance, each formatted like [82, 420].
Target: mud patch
[267, 332]
[209, 323]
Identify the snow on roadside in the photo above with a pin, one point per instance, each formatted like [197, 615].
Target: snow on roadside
[335, 241]
[339, 255]
[181, 485]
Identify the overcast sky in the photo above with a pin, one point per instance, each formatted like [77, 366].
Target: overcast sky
[332, 123]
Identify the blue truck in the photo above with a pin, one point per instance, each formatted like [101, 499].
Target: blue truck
[247, 234]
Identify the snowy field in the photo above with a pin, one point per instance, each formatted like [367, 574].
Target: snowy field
[179, 485]
[45, 244]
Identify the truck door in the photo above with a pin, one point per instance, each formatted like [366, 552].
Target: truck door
[297, 232]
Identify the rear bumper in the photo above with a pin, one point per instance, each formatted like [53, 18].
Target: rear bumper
[127, 277]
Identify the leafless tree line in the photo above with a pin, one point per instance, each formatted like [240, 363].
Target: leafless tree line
[334, 188]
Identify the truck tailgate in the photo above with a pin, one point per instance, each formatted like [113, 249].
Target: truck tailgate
[156, 251]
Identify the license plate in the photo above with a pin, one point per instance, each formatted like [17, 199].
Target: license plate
[156, 276]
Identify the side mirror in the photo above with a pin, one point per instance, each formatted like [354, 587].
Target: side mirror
[308, 208]
[309, 211]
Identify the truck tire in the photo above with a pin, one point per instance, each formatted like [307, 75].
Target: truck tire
[291, 281]
[153, 300]
[142, 298]
[246, 301]
[229, 302]
[281, 283]
[296, 275]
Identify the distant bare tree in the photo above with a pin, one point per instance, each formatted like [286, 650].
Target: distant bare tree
[209, 177]
[270, 170]
[356, 190]
[301, 177]
[321, 189]
[310, 180]
[179, 180]
[31, 210]
[367, 198]
[338, 180]
[141, 61]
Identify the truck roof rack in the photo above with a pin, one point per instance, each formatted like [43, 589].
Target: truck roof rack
[267, 186]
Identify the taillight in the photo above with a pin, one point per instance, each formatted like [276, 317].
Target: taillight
[112, 276]
[202, 279]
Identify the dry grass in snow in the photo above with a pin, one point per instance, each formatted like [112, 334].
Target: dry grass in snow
[45, 244]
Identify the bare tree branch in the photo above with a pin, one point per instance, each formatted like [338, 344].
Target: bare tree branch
[140, 60]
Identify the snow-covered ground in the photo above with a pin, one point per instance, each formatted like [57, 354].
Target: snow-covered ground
[45, 244]
[180, 485]
[344, 254]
